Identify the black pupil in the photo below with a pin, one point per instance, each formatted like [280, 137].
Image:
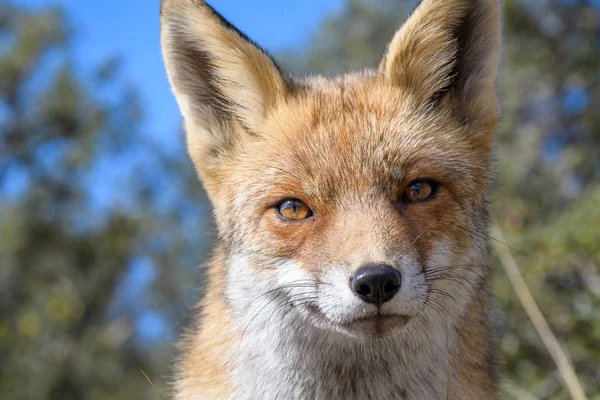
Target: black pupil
[416, 189]
[294, 206]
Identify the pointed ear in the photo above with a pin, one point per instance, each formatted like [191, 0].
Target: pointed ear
[224, 83]
[446, 54]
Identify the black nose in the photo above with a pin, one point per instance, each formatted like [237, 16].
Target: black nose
[376, 283]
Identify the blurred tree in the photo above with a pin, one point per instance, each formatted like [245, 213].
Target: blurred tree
[95, 219]
[548, 146]
[353, 39]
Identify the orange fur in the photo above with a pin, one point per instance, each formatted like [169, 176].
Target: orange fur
[278, 311]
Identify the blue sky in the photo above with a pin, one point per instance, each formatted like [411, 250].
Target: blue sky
[130, 28]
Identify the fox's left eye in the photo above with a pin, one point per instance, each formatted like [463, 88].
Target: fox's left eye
[419, 191]
[294, 210]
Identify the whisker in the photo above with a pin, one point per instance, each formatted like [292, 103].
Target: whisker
[444, 293]
[302, 303]
[258, 313]
[458, 281]
[292, 285]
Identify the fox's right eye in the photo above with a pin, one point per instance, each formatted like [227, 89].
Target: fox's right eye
[294, 210]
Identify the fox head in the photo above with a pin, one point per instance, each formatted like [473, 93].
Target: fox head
[358, 202]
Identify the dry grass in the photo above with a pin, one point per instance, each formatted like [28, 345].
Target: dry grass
[152, 384]
[514, 390]
[558, 354]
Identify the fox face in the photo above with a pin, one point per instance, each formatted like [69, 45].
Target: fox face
[356, 205]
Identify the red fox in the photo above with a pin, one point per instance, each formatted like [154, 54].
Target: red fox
[351, 212]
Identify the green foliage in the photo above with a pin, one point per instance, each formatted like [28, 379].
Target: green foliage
[64, 332]
[561, 268]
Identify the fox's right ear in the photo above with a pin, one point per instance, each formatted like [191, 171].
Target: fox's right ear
[223, 82]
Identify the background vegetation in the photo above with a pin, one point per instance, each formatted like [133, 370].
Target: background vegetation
[92, 291]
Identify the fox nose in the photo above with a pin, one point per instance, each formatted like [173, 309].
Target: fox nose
[376, 283]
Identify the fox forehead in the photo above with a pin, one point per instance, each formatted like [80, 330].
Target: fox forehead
[356, 134]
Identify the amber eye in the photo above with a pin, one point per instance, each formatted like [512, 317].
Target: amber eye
[294, 210]
[419, 191]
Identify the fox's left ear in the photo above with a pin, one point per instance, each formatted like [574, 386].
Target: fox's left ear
[446, 55]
